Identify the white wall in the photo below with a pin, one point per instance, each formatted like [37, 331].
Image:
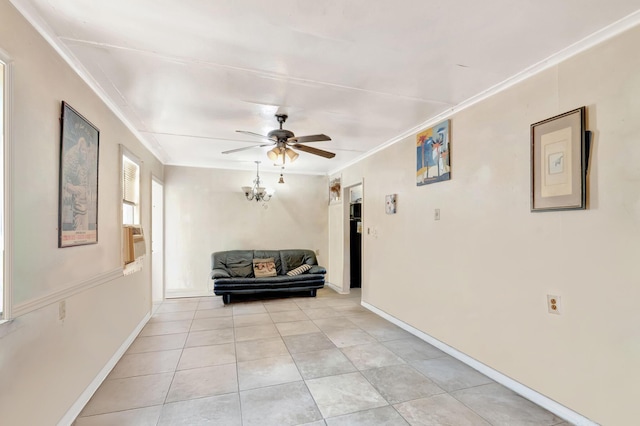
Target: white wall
[478, 278]
[46, 364]
[206, 211]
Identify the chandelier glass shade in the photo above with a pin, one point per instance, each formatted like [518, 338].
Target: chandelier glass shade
[257, 192]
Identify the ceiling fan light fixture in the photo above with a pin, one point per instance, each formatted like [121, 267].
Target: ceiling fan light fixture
[273, 154]
[282, 139]
[291, 154]
[277, 155]
[281, 180]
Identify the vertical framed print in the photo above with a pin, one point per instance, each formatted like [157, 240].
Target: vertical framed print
[78, 202]
[432, 154]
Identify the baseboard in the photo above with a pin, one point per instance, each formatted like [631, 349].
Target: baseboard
[77, 407]
[335, 288]
[179, 294]
[522, 390]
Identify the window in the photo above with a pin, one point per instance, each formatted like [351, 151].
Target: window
[130, 190]
[133, 244]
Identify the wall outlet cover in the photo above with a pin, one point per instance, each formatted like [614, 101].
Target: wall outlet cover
[554, 305]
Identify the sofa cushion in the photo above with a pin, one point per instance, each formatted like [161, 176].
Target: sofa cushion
[239, 263]
[299, 270]
[291, 259]
[264, 268]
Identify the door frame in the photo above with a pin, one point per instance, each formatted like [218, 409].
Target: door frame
[157, 232]
[346, 269]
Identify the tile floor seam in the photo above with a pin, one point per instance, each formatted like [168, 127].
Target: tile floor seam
[310, 393]
[487, 384]
[475, 386]
[235, 350]
[192, 399]
[362, 411]
[175, 371]
[474, 411]
[414, 399]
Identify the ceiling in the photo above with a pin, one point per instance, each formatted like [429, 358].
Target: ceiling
[185, 75]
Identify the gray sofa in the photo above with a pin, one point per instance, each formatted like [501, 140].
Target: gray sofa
[232, 272]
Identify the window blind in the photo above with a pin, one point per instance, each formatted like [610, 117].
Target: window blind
[130, 176]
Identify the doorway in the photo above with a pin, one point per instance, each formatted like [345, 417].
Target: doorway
[157, 241]
[355, 236]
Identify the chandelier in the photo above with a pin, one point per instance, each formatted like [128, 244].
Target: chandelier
[257, 192]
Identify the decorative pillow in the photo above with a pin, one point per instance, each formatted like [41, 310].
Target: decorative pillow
[299, 270]
[264, 267]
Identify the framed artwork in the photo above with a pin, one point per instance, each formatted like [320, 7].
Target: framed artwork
[432, 148]
[559, 162]
[78, 203]
[390, 204]
[335, 190]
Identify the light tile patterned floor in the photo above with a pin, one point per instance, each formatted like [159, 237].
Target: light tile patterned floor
[323, 361]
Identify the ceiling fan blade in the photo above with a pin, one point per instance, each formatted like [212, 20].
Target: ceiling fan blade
[310, 138]
[254, 135]
[246, 147]
[315, 151]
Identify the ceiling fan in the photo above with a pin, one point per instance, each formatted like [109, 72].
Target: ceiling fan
[284, 139]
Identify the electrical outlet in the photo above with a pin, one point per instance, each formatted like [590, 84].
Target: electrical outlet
[62, 310]
[553, 304]
[436, 214]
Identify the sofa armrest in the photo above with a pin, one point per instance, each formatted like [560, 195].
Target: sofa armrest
[317, 269]
[220, 273]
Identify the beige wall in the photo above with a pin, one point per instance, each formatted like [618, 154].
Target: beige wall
[206, 211]
[478, 278]
[46, 364]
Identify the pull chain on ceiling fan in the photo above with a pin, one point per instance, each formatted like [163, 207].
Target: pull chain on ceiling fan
[283, 139]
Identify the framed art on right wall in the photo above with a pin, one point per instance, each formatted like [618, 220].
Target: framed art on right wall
[432, 148]
[559, 162]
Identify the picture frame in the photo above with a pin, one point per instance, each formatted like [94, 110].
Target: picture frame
[559, 155]
[433, 162]
[335, 190]
[78, 185]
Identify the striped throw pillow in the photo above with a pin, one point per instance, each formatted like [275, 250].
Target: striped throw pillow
[299, 270]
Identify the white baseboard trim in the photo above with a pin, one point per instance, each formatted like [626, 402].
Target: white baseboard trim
[522, 390]
[180, 294]
[77, 407]
[335, 288]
